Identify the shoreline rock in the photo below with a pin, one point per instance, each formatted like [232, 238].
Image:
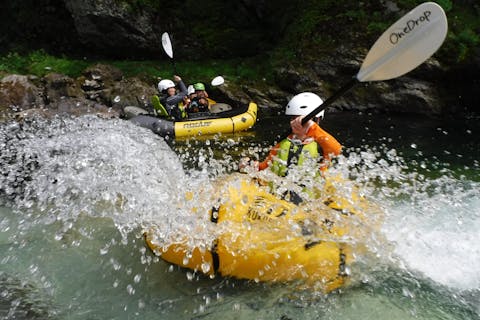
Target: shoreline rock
[104, 90]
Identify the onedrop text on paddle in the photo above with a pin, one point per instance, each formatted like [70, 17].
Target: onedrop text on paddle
[411, 24]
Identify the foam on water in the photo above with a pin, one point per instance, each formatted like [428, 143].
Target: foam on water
[62, 169]
[68, 167]
[432, 221]
[58, 172]
[438, 234]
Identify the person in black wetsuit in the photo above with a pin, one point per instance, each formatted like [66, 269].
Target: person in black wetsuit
[173, 100]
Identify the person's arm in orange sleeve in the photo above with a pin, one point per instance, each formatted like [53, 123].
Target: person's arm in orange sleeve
[268, 160]
[330, 145]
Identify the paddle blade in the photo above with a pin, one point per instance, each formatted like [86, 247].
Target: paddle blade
[217, 81]
[167, 45]
[406, 44]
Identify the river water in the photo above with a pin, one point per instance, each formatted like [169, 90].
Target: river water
[77, 194]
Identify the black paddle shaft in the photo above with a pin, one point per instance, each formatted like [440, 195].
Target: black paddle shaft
[340, 92]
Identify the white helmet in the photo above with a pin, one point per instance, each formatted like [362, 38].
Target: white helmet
[302, 104]
[190, 89]
[165, 84]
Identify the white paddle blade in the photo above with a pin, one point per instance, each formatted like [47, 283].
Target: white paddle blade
[167, 45]
[217, 81]
[406, 44]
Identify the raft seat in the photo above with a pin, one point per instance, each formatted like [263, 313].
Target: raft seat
[158, 107]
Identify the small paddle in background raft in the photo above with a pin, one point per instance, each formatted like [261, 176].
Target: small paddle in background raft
[167, 47]
[404, 46]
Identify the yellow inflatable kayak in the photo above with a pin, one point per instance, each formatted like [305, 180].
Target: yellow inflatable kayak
[264, 238]
[221, 118]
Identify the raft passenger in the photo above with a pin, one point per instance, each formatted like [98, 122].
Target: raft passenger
[172, 100]
[198, 99]
[308, 140]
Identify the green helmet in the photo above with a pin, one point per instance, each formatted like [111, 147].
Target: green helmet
[199, 86]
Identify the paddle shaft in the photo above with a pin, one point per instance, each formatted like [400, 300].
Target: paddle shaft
[401, 48]
[174, 67]
[168, 48]
[340, 92]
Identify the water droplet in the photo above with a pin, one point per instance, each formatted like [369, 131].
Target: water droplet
[137, 278]
[116, 265]
[205, 267]
[130, 290]
[407, 293]
[245, 199]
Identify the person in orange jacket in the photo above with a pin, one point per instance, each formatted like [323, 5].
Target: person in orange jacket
[305, 140]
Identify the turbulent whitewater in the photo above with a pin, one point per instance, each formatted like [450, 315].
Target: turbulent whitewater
[59, 177]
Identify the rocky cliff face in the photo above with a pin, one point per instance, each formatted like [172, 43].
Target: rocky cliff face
[217, 29]
[100, 90]
[200, 28]
[111, 26]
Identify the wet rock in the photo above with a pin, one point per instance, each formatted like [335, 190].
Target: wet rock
[33, 113]
[231, 92]
[391, 6]
[131, 92]
[412, 96]
[97, 82]
[81, 106]
[58, 86]
[17, 93]
[92, 85]
[110, 25]
[103, 73]
[264, 99]
[297, 80]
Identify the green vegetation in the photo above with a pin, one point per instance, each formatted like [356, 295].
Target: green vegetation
[290, 32]
[324, 23]
[40, 63]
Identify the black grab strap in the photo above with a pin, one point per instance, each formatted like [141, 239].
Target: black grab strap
[215, 257]
[294, 154]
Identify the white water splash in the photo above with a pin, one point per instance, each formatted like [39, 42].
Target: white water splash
[432, 222]
[87, 166]
[69, 167]
[438, 235]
